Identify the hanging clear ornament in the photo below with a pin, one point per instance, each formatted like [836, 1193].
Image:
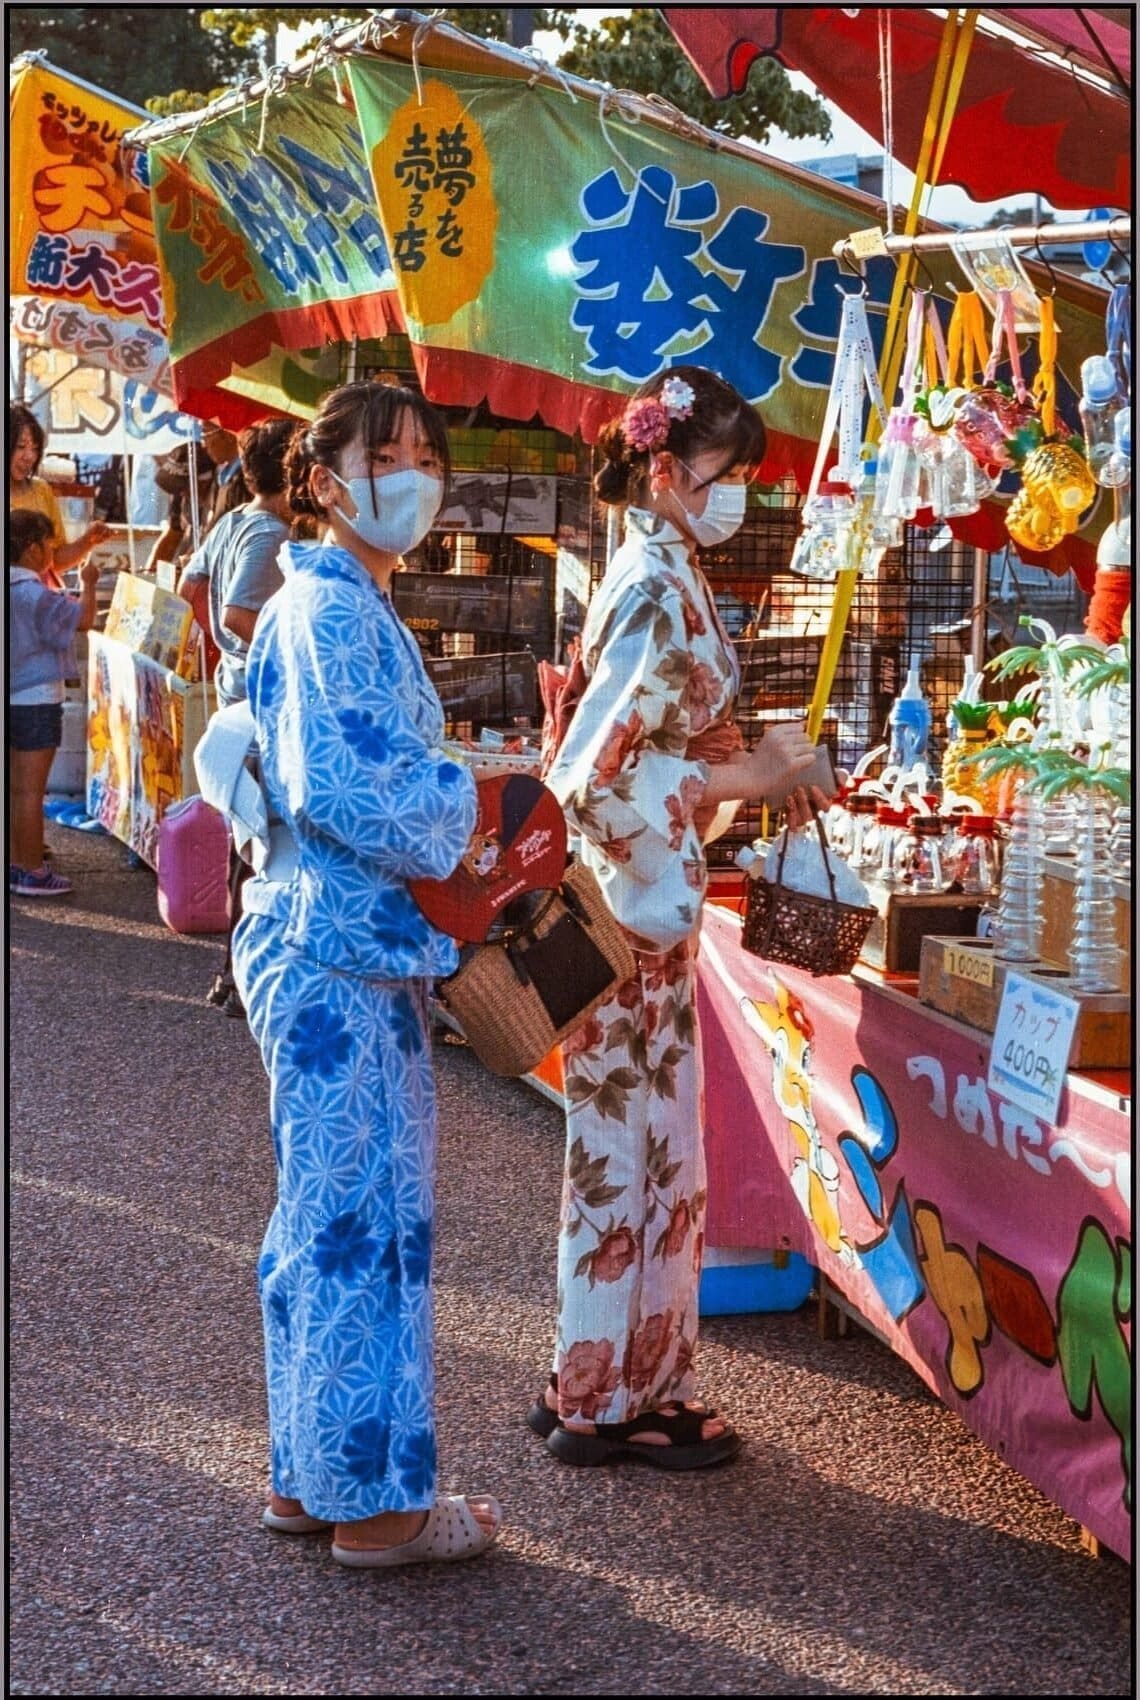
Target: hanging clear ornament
[957, 484]
[823, 546]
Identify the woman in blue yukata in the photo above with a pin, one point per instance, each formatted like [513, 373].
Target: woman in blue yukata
[333, 962]
[651, 768]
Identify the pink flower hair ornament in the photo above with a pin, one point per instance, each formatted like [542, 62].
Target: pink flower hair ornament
[645, 423]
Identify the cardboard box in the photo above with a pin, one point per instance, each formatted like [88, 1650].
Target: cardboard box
[962, 978]
[494, 688]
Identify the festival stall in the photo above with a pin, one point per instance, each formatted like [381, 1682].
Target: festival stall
[548, 244]
[90, 357]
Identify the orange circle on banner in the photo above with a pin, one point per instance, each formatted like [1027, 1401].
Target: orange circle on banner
[432, 174]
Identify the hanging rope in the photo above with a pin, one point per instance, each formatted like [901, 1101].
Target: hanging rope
[968, 351]
[886, 83]
[625, 110]
[953, 54]
[949, 72]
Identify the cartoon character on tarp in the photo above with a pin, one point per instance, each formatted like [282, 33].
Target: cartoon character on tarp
[787, 1032]
[887, 1256]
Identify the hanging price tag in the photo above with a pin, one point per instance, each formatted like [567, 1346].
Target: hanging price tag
[1032, 1041]
[867, 244]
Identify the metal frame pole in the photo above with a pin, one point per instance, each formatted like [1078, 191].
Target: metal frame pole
[1017, 235]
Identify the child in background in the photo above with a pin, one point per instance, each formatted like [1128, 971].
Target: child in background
[42, 624]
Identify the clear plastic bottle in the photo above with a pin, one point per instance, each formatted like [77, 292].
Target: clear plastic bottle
[909, 721]
[828, 516]
[899, 481]
[1117, 469]
[1101, 401]
[880, 533]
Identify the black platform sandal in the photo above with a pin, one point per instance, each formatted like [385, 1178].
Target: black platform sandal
[611, 1442]
[540, 1417]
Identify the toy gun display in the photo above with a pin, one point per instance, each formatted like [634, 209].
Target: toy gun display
[483, 500]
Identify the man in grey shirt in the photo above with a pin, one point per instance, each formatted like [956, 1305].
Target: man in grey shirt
[238, 560]
[238, 556]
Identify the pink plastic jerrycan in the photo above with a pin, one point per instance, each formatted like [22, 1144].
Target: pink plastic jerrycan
[193, 868]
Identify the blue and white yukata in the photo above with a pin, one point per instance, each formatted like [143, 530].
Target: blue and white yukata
[333, 965]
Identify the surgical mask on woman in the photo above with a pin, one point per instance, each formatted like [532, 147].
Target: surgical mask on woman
[408, 502]
[723, 515]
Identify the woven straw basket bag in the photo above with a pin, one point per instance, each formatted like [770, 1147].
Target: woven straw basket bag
[818, 934]
[520, 995]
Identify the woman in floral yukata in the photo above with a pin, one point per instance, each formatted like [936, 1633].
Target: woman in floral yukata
[651, 767]
[333, 962]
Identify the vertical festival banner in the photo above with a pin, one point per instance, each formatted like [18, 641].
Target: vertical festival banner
[82, 266]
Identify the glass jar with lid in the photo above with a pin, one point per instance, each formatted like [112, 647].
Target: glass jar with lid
[918, 855]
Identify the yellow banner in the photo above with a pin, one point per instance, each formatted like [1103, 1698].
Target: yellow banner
[79, 222]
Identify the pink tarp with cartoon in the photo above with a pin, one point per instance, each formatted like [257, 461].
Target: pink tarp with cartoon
[993, 1251]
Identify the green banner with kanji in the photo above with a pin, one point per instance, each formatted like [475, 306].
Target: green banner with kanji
[268, 240]
[550, 256]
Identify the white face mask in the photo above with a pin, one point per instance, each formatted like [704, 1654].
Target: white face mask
[408, 502]
[723, 515]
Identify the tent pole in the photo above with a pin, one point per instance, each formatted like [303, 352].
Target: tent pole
[1017, 235]
[978, 612]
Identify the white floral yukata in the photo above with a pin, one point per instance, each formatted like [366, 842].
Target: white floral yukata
[660, 671]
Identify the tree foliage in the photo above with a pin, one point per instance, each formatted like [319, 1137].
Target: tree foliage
[638, 52]
[134, 52]
[172, 58]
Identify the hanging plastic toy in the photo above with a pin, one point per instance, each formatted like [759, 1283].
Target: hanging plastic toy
[955, 483]
[833, 535]
[999, 424]
[1059, 473]
[901, 486]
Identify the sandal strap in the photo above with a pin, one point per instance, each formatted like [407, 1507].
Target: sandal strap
[682, 1429]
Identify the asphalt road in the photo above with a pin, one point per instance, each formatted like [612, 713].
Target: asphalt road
[863, 1543]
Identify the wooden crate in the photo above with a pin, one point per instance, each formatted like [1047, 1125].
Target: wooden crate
[894, 942]
[1058, 877]
[962, 978]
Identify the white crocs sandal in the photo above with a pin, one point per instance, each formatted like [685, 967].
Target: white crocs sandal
[450, 1533]
[300, 1524]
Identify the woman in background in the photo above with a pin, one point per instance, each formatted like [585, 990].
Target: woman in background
[30, 493]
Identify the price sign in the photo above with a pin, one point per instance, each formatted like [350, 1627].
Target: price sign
[867, 244]
[1032, 1040]
[967, 962]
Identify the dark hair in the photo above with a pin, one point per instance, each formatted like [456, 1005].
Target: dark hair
[721, 419]
[22, 418]
[374, 412]
[26, 528]
[262, 449]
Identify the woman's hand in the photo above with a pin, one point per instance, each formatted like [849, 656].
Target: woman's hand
[798, 805]
[90, 572]
[766, 770]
